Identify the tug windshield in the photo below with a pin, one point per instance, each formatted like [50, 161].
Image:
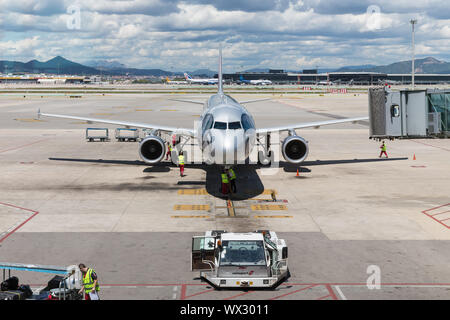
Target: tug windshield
[242, 253]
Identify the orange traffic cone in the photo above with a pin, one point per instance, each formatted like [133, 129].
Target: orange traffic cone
[297, 173]
[414, 157]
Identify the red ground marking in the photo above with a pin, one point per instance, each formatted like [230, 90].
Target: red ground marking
[197, 294]
[435, 219]
[23, 146]
[440, 213]
[321, 298]
[20, 225]
[183, 292]
[330, 290]
[238, 295]
[289, 293]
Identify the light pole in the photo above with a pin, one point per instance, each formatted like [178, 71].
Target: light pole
[413, 22]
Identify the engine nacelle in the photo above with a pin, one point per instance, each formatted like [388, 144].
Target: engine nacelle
[152, 149]
[295, 149]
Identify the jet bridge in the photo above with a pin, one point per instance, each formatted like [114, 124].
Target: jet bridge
[409, 114]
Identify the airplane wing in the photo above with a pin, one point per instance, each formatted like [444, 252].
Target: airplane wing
[256, 100]
[182, 131]
[309, 125]
[188, 101]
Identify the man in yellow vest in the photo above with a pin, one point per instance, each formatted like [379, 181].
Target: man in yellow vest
[90, 283]
[181, 163]
[383, 150]
[225, 182]
[232, 177]
[169, 151]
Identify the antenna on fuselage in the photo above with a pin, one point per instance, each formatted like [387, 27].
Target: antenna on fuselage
[219, 74]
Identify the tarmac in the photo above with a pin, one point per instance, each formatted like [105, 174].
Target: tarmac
[65, 200]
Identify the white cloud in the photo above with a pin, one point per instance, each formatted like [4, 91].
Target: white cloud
[185, 34]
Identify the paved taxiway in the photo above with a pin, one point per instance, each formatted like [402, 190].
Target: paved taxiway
[64, 201]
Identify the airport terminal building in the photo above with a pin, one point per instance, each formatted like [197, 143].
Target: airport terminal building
[311, 77]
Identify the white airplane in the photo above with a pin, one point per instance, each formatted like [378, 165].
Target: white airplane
[200, 81]
[226, 132]
[255, 82]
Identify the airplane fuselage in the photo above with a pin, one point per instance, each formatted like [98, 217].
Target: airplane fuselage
[226, 131]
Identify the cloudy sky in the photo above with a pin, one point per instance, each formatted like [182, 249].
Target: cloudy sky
[184, 35]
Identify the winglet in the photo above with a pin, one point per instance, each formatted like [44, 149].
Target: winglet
[219, 74]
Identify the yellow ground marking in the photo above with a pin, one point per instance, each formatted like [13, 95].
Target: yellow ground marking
[168, 110]
[192, 191]
[102, 114]
[29, 120]
[260, 217]
[190, 217]
[230, 208]
[80, 122]
[269, 191]
[143, 109]
[191, 207]
[258, 207]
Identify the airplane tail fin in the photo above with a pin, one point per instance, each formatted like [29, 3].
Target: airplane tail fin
[219, 82]
[186, 76]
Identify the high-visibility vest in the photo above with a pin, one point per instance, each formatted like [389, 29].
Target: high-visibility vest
[88, 282]
[233, 175]
[383, 147]
[180, 159]
[170, 148]
[224, 178]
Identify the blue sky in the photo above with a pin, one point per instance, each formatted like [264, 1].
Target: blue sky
[184, 35]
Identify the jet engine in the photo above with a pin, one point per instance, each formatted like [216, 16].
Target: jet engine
[295, 149]
[152, 149]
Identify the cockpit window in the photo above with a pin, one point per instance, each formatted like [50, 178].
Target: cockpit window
[207, 122]
[246, 122]
[234, 125]
[220, 125]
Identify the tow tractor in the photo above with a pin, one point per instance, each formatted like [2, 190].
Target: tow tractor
[240, 260]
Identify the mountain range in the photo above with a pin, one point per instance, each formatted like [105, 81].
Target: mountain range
[60, 65]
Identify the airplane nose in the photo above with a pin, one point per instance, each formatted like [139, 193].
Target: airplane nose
[230, 148]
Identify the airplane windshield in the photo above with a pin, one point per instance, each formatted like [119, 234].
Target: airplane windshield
[242, 253]
[234, 125]
[220, 125]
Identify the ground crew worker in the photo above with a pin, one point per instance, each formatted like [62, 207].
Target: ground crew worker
[90, 283]
[232, 177]
[181, 163]
[383, 149]
[225, 182]
[169, 150]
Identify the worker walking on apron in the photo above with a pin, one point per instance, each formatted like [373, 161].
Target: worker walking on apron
[181, 163]
[232, 177]
[90, 283]
[225, 182]
[169, 151]
[383, 150]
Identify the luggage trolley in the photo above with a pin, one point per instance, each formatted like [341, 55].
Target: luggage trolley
[69, 282]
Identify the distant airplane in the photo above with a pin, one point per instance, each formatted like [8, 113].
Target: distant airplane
[260, 82]
[199, 81]
[168, 81]
[226, 132]
[324, 83]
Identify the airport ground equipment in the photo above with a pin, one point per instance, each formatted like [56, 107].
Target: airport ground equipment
[65, 284]
[409, 114]
[240, 260]
[102, 134]
[126, 134]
